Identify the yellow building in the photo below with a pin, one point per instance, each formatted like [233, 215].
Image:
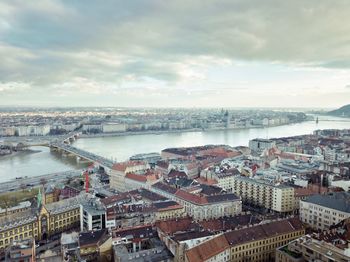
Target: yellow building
[257, 243]
[50, 195]
[275, 197]
[168, 210]
[22, 206]
[40, 222]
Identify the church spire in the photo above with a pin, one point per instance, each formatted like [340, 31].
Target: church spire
[39, 198]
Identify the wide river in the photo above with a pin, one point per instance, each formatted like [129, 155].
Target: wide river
[122, 147]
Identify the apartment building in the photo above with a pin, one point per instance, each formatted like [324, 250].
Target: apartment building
[276, 197]
[226, 181]
[201, 206]
[256, 243]
[260, 144]
[323, 211]
[39, 130]
[307, 248]
[92, 215]
[120, 170]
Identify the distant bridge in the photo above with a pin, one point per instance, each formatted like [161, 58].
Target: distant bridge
[82, 154]
[333, 120]
[24, 142]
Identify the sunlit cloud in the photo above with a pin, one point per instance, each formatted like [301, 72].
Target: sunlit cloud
[178, 53]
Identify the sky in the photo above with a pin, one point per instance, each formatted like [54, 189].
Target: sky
[190, 53]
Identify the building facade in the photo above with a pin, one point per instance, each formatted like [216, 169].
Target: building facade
[307, 248]
[92, 215]
[39, 223]
[256, 243]
[259, 144]
[201, 207]
[276, 197]
[323, 211]
[119, 171]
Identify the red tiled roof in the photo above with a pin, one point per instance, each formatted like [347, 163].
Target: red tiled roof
[202, 180]
[207, 249]
[136, 177]
[175, 225]
[300, 192]
[263, 231]
[123, 165]
[116, 198]
[191, 197]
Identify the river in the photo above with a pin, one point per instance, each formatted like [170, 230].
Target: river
[122, 147]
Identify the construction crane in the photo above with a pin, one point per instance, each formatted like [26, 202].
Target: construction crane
[86, 174]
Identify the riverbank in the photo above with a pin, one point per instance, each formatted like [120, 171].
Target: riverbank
[160, 132]
[121, 147]
[18, 153]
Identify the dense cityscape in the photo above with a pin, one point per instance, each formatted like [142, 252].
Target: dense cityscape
[278, 199]
[42, 122]
[174, 131]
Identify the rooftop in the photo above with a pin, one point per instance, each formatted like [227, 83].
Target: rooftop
[336, 200]
[207, 249]
[263, 231]
[135, 232]
[92, 237]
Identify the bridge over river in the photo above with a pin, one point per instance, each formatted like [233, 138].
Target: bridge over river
[82, 155]
[61, 144]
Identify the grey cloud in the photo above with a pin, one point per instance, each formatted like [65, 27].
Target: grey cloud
[104, 41]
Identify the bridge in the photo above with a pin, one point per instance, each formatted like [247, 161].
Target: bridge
[82, 154]
[61, 144]
[334, 120]
[24, 142]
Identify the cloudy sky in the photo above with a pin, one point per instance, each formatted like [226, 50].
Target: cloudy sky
[192, 53]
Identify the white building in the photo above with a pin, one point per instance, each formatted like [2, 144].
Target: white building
[92, 127]
[119, 171]
[92, 215]
[322, 211]
[7, 131]
[201, 207]
[260, 144]
[42, 130]
[113, 127]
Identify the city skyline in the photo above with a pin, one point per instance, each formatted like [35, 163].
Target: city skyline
[178, 54]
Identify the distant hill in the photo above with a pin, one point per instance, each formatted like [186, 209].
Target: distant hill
[343, 111]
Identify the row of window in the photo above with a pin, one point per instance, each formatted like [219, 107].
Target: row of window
[267, 241]
[17, 230]
[64, 215]
[6, 241]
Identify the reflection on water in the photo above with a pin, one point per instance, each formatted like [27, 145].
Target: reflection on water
[122, 147]
[37, 162]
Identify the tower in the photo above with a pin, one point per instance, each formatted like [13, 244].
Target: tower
[39, 199]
